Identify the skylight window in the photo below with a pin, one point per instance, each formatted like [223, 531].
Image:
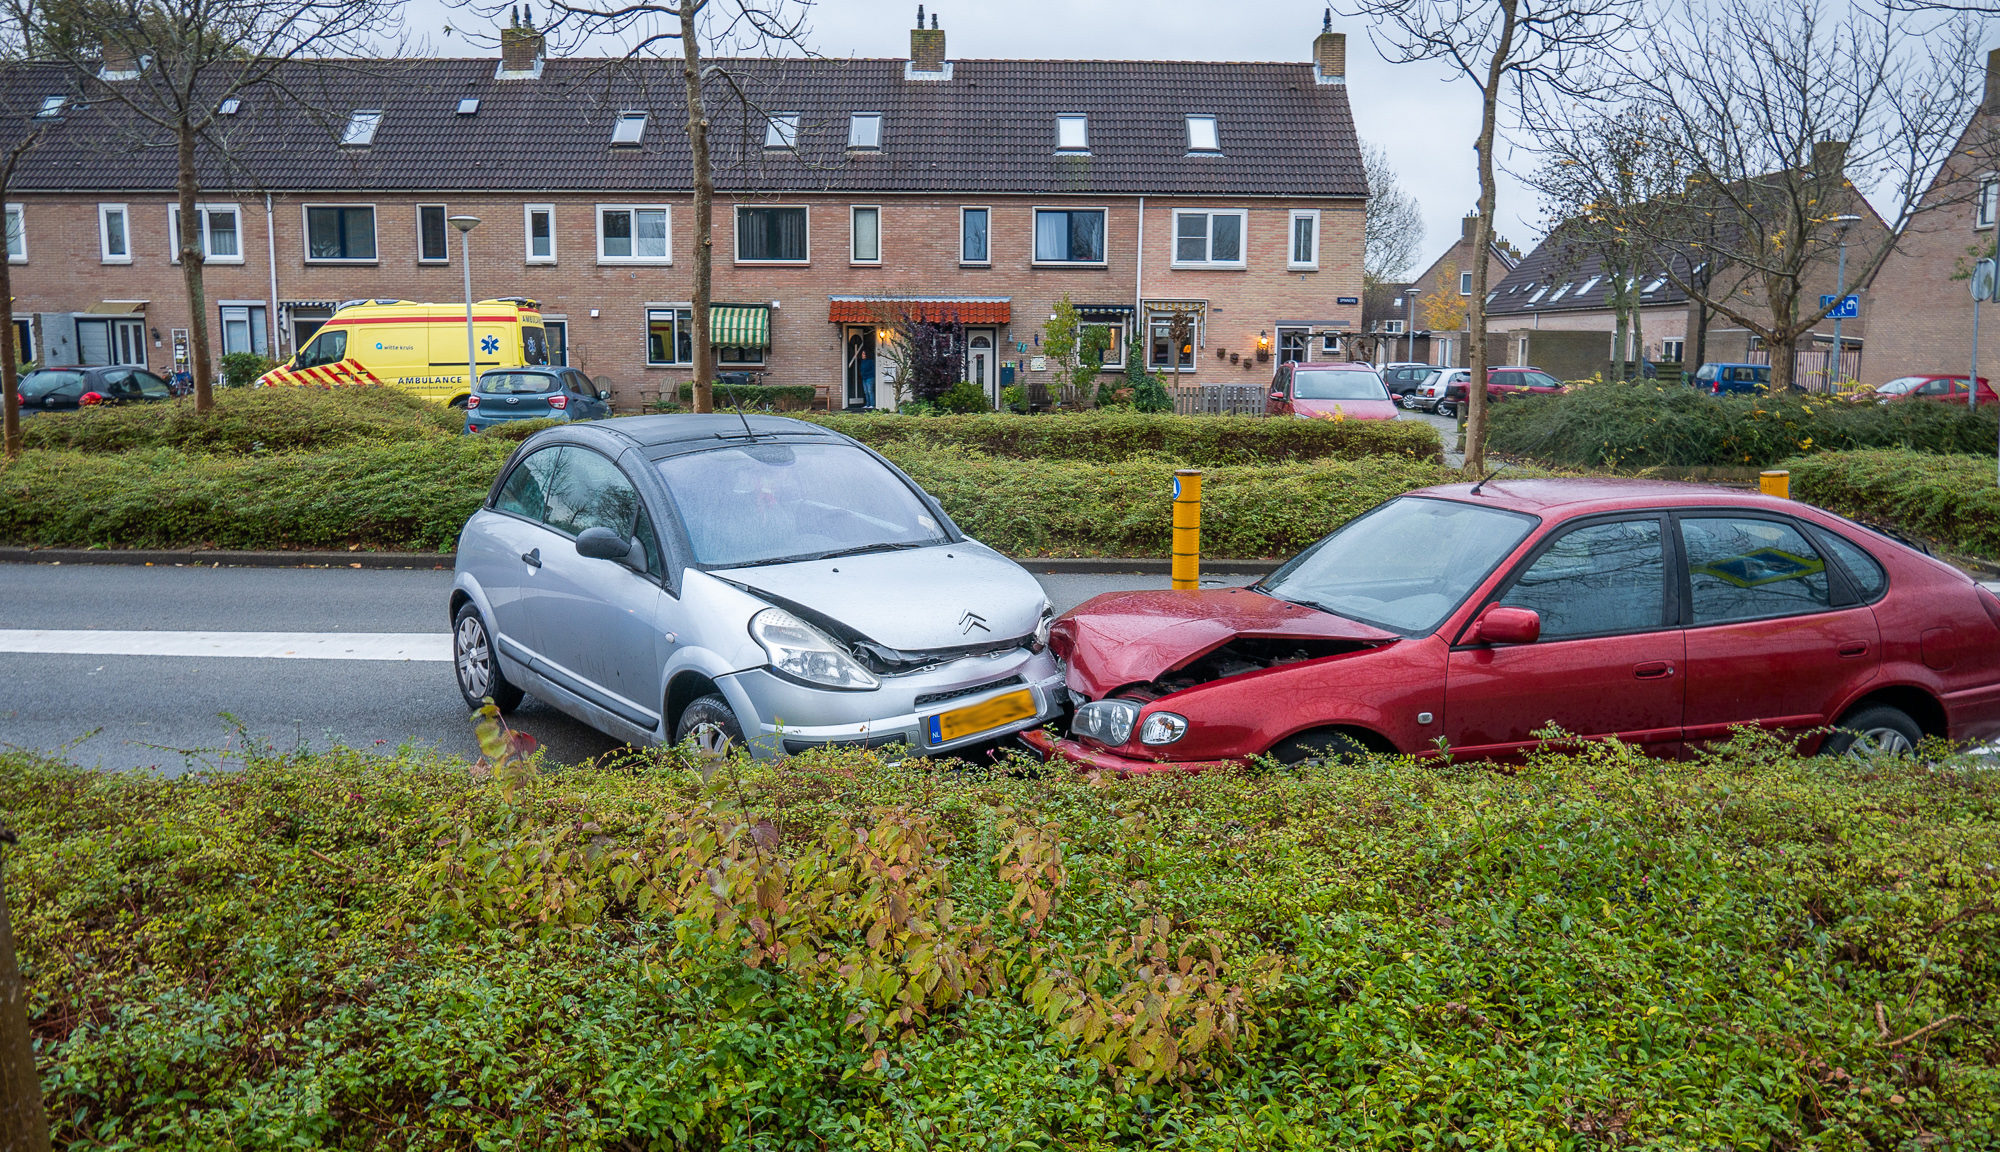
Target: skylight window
[864, 130]
[52, 105]
[1588, 285]
[468, 105]
[361, 127]
[1656, 285]
[230, 106]
[1072, 133]
[1202, 135]
[1558, 293]
[630, 127]
[1536, 298]
[782, 131]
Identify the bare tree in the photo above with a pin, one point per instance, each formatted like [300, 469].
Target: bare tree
[1506, 48]
[1394, 229]
[170, 65]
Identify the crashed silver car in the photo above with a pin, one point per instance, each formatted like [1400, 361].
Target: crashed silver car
[743, 580]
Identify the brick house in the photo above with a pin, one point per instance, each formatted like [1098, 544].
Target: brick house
[978, 190]
[1449, 278]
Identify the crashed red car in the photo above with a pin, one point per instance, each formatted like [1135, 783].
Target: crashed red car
[1472, 616]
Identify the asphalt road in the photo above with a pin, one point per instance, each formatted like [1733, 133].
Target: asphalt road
[311, 678]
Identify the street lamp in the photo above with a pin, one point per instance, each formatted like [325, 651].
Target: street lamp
[1842, 223]
[465, 225]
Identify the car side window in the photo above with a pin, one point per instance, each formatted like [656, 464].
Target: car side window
[1597, 580]
[1864, 570]
[1747, 569]
[588, 491]
[152, 386]
[522, 494]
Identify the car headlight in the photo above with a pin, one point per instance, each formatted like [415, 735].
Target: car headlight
[1040, 642]
[1108, 722]
[802, 652]
[1162, 728]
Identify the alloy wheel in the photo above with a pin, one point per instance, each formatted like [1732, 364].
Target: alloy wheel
[711, 741]
[474, 657]
[1880, 742]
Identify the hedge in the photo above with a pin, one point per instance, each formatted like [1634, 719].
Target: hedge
[1953, 500]
[781, 397]
[1196, 441]
[1640, 425]
[352, 951]
[250, 420]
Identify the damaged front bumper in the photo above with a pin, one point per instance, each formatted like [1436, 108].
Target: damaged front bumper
[1085, 758]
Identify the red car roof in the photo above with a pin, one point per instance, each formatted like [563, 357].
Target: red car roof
[1601, 493]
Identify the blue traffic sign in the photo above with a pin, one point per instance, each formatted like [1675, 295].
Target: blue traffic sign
[1850, 307]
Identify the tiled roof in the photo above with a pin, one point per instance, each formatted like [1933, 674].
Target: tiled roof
[990, 128]
[1561, 276]
[936, 309]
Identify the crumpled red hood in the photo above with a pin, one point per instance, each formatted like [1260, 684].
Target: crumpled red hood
[1124, 638]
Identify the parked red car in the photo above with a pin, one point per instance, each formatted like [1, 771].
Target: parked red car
[1502, 383]
[1661, 614]
[1355, 391]
[1933, 386]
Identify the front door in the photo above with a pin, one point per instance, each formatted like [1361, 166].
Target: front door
[979, 364]
[860, 368]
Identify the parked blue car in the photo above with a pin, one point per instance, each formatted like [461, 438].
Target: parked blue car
[1732, 379]
[534, 394]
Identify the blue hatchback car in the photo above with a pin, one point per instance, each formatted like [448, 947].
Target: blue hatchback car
[1732, 379]
[534, 394]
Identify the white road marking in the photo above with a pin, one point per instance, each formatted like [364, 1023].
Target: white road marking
[435, 646]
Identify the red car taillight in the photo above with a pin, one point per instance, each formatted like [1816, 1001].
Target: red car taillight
[1715, 389]
[471, 402]
[559, 401]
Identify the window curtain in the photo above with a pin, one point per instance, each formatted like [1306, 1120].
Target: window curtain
[1052, 236]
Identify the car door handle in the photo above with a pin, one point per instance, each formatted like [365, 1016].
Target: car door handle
[1853, 649]
[1654, 670]
[532, 559]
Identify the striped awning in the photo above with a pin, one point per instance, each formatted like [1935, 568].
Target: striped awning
[934, 309]
[739, 325]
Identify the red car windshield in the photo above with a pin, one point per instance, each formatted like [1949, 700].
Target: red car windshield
[1404, 566]
[1338, 386]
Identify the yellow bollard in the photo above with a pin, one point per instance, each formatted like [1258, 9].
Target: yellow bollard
[1776, 483]
[1187, 528]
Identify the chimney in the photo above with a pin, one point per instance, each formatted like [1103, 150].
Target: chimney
[1330, 53]
[1992, 101]
[116, 62]
[1469, 228]
[927, 60]
[1829, 158]
[521, 46]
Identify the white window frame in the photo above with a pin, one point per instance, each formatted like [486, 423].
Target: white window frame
[305, 233]
[17, 228]
[854, 121]
[647, 333]
[468, 106]
[51, 106]
[259, 333]
[1678, 345]
[1114, 353]
[1987, 204]
[528, 233]
[598, 227]
[1242, 238]
[104, 253]
[1195, 338]
[721, 363]
[1465, 283]
[1034, 215]
[626, 116]
[1521, 351]
[203, 211]
[362, 124]
[1305, 338]
[1392, 327]
[1080, 120]
[421, 258]
[1214, 131]
[781, 131]
[736, 237]
[987, 262]
[852, 256]
[1292, 261]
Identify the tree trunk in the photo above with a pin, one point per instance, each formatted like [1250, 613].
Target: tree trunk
[1700, 340]
[704, 204]
[10, 373]
[192, 253]
[1784, 354]
[1482, 245]
[1638, 339]
[1619, 344]
[24, 1123]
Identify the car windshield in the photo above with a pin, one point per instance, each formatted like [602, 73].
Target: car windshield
[771, 503]
[36, 385]
[1403, 566]
[517, 383]
[1338, 386]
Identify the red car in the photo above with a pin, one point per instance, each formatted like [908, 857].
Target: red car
[1937, 386]
[1476, 616]
[1355, 391]
[1502, 383]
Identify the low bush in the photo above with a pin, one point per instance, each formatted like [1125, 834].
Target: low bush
[250, 420]
[777, 397]
[1645, 424]
[1746, 950]
[241, 369]
[1953, 500]
[1103, 437]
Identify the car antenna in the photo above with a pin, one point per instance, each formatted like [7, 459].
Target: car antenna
[1485, 478]
[736, 406]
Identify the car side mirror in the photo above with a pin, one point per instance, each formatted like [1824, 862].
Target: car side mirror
[604, 544]
[1503, 625]
[604, 393]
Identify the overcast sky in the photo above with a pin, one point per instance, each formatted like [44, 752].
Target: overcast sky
[1426, 122]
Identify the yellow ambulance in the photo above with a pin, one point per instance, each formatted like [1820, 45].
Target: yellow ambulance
[418, 347]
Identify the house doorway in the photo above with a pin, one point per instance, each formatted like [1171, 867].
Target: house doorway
[979, 363]
[859, 373]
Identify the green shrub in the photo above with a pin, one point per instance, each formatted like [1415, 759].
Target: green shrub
[1747, 950]
[1647, 424]
[518, 430]
[1954, 500]
[1195, 441]
[776, 397]
[250, 420]
[963, 397]
[241, 369]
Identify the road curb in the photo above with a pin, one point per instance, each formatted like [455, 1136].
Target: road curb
[223, 558]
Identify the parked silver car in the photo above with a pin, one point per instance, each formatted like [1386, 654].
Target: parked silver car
[740, 579]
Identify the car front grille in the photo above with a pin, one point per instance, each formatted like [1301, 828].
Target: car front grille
[930, 698]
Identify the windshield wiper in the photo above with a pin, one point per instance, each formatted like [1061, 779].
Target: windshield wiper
[858, 550]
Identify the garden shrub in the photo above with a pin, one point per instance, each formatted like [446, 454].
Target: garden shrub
[250, 420]
[1104, 437]
[776, 397]
[1953, 500]
[241, 369]
[858, 951]
[1646, 424]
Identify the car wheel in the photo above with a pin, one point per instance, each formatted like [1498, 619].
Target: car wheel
[478, 665]
[712, 725]
[1447, 409]
[458, 402]
[1318, 746]
[1877, 730]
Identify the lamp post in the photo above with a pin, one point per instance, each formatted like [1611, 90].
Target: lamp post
[1843, 223]
[465, 225]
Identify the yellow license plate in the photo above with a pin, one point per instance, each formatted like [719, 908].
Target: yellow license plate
[982, 717]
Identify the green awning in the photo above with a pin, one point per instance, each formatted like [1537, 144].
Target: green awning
[739, 326]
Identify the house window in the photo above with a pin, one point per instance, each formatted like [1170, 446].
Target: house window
[360, 131]
[340, 232]
[1465, 283]
[1658, 283]
[230, 106]
[244, 328]
[556, 332]
[433, 245]
[1521, 351]
[864, 131]
[865, 230]
[1587, 285]
[669, 336]
[1988, 204]
[1072, 133]
[540, 222]
[114, 238]
[51, 106]
[1305, 239]
[629, 128]
[100, 342]
[1444, 350]
[219, 239]
[468, 106]
[1069, 236]
[1293, 344]
[1393, 327]
[306, 322]
[1202, 136]
[782, 130]
[1208, 239]
[633, 234]
[1672, 350]
[1160, 351]
[1329, 342]
[1112, 324]
[771, 236]
[24, 341]
[972, 236]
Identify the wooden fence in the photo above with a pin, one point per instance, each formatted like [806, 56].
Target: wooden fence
[1217, 399]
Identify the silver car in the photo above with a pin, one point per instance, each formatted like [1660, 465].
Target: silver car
[743, 580]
